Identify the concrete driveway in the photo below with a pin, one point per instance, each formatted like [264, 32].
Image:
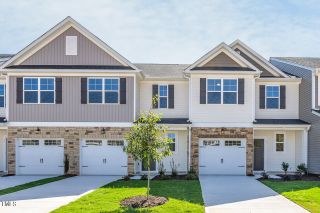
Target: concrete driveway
[10, 181]
[243, 194]
[50, 196]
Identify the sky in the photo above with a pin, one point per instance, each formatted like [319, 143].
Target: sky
[176, 31]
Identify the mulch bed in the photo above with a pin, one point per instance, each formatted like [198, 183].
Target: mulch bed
[310, 177]
[169, 177]
[141, 201]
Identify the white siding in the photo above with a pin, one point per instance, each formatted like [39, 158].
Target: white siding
[292, 149]
[292, 103]
[233, 114]
[180, 99]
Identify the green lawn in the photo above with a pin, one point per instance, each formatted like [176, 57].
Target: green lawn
[184, 196]
[31, 184]
[304, 193]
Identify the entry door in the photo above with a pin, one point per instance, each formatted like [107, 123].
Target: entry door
[258, 154]
[153, 166]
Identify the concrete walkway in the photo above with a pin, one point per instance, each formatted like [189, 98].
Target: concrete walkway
[10, 181]
[243, 194]
[50, 196]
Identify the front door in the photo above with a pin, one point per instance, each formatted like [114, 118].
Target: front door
[153, 165]
[258, 154]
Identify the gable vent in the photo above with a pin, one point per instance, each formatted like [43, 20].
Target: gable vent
[71, 45]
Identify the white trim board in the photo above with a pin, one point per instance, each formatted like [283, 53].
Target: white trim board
[70, 124]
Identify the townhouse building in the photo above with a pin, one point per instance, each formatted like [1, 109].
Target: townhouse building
[68, 95]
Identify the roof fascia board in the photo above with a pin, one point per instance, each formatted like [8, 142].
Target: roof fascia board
[218, 49]
[266, 64]
[223, 72]
[293, 80]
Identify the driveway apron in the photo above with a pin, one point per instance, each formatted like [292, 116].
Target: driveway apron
[243, 194]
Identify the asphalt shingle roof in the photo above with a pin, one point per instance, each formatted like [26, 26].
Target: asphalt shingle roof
[163, 70]
[304, 61]
[280, 121]
[5, 57]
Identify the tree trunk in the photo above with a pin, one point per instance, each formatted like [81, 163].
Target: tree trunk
[148, 189]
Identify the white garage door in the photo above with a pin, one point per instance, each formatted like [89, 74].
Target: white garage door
[40, 157]
[222, 156]
[103, 157]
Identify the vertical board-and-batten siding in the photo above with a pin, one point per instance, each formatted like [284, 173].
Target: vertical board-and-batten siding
[71, 109]
[305, 106]
[221, 60]
[54, 53]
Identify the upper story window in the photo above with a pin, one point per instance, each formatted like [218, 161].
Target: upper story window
[2, 95]
[163, 96]
[39, 90]
[279, 142]
[172, 145]
[272, 97]
[71, 45]
[222, 91]
[103, 90]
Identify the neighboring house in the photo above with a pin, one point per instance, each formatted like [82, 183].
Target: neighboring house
[69, 95]
[308, 69]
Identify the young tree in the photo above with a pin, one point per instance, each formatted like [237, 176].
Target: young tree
[147, 141]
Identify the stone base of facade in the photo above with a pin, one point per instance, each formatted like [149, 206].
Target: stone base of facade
[71, 136]
[198, 133]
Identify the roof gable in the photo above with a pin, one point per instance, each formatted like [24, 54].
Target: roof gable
[49, 49]
[268, 70]
[221, 58]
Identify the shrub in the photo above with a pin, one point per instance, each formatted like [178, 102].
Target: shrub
[66, 164]
[126, 178]
[284, 167]
[174, 170]
[164, 177]
[161, 169]
[144, 177]
[264, 175]
[302, 169]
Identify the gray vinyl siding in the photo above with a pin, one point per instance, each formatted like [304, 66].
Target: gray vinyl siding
[71, 109]
[54, 52]
[305, 112]
[222, 60]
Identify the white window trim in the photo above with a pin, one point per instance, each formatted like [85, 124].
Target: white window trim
[39, 90]
[4, 95]
[41, 141]
[167, 96]
[266, 97]
[103, 90]
[176, 141]
[222, 91]
[284, 142]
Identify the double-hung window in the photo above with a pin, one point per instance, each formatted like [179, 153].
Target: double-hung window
[103, 90]
[214, 91]
[172, 145]
[39, 90]
[230, 91]
[279, 142]
[163, 96]
[222, 91]
[272, 97]
[2, 95]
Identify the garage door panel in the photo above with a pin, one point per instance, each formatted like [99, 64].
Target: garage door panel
[36, 157]
[222, 156]
[103, 157]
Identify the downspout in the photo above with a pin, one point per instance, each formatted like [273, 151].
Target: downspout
[189, 126]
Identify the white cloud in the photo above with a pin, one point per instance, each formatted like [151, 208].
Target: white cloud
[171, 31]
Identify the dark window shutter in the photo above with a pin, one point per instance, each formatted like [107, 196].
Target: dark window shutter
[58, 90]
[19, 90]
[123, 90]
[262, 97]
[171, 96]
[203, 90]
[282, 97]
[241, 91]
[84, 91]
[154, 94]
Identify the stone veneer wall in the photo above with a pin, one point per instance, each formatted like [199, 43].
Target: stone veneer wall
[71, 136]
[198, 133]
